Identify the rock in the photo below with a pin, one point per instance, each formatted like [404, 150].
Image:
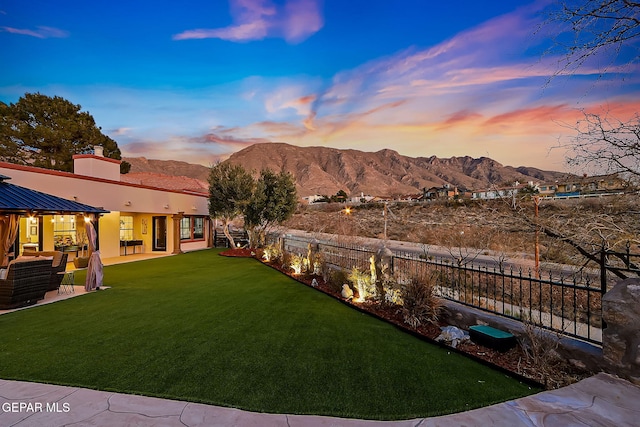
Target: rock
[347, 293]
[621, 337]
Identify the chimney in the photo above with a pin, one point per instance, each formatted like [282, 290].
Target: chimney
[96, 165]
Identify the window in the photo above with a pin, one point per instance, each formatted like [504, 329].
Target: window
[192, 228]
[198, 228]
[64, 230]
[185, 228]
[126, 227]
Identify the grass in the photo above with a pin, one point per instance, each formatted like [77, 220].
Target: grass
[234, 332]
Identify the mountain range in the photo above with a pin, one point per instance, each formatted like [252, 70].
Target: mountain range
[323, 170]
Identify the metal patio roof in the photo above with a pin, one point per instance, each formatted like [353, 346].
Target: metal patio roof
[21, 200]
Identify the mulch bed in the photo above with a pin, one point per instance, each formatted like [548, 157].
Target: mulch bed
[239, 252]
[513, 361]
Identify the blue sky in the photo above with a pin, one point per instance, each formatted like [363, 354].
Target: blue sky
[198, 80]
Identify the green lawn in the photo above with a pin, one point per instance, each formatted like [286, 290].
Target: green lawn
[234, 332]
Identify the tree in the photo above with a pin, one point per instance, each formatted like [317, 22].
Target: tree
[596, 27]
[230, 191]
[46, 132]
[606, 143]
[609, 28]
[340, 197]
[125, 167]
[274, 200]
[606, 31]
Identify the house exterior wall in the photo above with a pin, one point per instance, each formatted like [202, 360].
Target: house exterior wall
[119, 198]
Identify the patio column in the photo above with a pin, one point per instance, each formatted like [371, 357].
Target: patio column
[176, 232]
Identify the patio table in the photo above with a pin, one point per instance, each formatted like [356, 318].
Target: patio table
[66, 286]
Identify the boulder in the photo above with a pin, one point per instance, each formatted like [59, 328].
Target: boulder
[621, 337]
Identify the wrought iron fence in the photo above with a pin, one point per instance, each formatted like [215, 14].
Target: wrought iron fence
[571, 306]
[620, 264]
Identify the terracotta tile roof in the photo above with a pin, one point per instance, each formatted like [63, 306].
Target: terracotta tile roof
[168, 182]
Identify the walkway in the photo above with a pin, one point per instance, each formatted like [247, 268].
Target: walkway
[601, 400]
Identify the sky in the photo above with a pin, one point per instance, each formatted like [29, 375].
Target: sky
[198, 80]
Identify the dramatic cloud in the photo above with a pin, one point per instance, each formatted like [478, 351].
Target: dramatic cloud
[39, 32]
[479, 93]
[295, 21]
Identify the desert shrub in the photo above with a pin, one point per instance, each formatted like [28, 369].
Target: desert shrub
[362, 283]
[319, 265]
[298, 263]
[420, 302]
[391, 293]
[271, 253]
[285, 257]
[549, 367]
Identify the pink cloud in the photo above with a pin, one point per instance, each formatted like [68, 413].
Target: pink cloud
[534, 115]
[460, 117]
[40, 32]
[257, 19]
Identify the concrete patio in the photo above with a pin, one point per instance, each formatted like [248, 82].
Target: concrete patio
[78, 289]
[602, 400]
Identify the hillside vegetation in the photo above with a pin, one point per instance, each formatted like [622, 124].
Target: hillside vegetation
[495, 226]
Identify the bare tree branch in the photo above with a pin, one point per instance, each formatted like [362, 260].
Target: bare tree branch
[605, 143]
[599, 27]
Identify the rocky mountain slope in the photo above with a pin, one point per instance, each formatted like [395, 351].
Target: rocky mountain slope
[168, 167]
[323, 170]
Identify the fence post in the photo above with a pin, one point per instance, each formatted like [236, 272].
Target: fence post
[603, 270]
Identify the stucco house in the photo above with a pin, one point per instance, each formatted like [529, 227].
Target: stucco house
[596, 184]
[141, 219]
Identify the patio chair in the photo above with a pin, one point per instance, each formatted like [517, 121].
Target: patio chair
[26, 282]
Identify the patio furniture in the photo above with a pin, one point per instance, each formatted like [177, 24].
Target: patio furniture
[26, 282]
[59, 264]
[130, 243]
[66, 284]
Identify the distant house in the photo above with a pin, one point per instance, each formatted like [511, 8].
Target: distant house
[312, 199]
[410, 197]
[502, 192]
[444, 192]
[586, 185]
[547, 190]
[362, 198]
[381, 199]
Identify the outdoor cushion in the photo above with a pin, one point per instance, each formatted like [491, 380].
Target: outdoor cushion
[57, 256]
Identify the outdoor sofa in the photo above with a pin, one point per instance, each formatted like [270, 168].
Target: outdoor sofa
[26, 282]
[59, 265]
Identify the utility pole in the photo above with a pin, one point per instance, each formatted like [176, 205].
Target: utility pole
[385, 213]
